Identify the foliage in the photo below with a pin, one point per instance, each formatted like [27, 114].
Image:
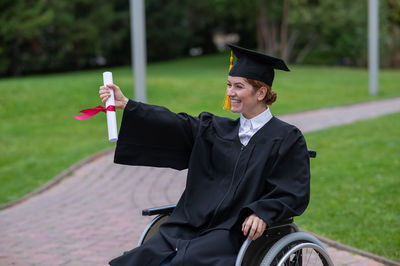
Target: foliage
[391, 37]
[22, 23]
[334, 31]
[58, 35]
[171, 15]
[45, 35]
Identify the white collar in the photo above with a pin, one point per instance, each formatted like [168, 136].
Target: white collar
[257, 121]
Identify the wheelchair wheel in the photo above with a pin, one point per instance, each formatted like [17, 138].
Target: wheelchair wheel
[152, 228]
[297, 249]
[252, 252]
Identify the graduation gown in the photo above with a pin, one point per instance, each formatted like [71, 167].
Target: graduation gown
[226, 181]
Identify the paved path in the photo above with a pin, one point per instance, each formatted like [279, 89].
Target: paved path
[328, 117]
[94, 214]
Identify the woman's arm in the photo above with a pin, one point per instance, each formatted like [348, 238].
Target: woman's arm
[151, 135]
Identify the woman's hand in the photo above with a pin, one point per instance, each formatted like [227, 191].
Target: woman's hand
[120, 99]
[254, 226]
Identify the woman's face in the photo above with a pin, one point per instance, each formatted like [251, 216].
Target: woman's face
[243, 97]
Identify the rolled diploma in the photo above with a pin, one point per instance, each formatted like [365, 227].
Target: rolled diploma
[111, 116]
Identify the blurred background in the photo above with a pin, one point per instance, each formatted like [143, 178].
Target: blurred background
[45, 35]
[53, 53]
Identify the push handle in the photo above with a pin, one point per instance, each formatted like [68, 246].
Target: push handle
[312, 153]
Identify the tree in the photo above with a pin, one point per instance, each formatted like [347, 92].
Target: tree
[45, 35]
[22, 24]
[391, 33]
[167, 28]
[294, 29]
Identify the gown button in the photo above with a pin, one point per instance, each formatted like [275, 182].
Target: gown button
[176, 249]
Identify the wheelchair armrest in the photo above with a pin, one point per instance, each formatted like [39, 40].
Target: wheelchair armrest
[283, 222]
[312, 153]
[159, 210]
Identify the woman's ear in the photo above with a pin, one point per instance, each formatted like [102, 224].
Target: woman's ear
[261, 93]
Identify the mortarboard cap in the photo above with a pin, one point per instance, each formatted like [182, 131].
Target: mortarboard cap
[255, 65]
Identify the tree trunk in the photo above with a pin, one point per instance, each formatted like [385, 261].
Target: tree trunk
[291, 42]
[302, 54]
[261, 24]
[272, 37]
[269, 32]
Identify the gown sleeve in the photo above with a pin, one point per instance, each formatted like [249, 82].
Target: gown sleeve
[288, 186]
[154, 136]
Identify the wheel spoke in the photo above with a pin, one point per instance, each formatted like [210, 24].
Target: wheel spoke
[297, 249]
[315, 258]
[308, 259]
[299, 257]
[306, 256]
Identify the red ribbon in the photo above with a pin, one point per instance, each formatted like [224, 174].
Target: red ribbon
[93, 111]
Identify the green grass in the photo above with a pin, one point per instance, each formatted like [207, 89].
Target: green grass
[356, 184]
[39, 137]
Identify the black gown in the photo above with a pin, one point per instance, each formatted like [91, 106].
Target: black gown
[226, 181]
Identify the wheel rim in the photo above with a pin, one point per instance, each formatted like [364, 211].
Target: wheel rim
[305, 254]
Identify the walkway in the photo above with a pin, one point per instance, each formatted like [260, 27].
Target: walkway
[93, 215]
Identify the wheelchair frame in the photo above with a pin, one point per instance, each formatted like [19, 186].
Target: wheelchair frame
[281, 244]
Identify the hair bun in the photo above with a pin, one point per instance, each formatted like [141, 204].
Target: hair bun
[271, 98]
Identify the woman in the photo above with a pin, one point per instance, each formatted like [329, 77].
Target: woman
[243, 174]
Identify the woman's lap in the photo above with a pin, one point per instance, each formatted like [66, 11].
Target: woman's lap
[214, 248]
[217, 248]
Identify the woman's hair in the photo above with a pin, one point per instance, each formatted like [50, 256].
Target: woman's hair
[270, 97]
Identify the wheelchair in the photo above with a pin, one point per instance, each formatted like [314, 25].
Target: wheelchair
[282, 243]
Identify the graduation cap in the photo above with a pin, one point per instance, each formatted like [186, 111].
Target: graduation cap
[253, 65]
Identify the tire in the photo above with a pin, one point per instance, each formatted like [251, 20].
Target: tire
[297, 249]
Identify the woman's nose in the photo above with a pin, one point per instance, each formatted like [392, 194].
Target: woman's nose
[229, 92]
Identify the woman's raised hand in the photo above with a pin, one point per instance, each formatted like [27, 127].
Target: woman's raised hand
[254, 227]
[120, 99]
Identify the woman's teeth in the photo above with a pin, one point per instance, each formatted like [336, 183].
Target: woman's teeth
[235, 101]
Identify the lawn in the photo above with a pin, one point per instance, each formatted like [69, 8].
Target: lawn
[39, 137]
[355, 185]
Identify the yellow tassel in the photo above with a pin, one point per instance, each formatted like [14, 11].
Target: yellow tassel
[227, 102]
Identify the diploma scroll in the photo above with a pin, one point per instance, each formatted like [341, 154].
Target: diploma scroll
[111, 116]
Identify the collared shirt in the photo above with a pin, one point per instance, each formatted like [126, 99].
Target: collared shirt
[248, 127]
